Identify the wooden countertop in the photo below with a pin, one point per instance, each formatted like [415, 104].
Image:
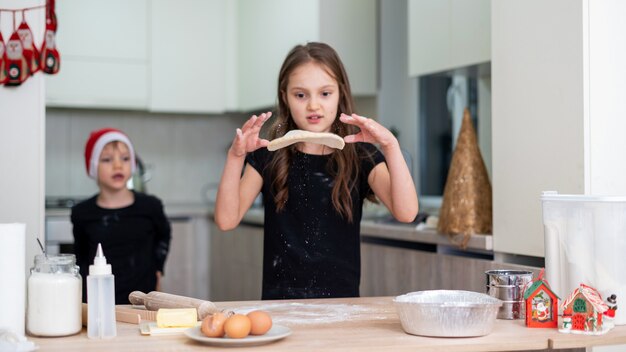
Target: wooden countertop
[350, 324]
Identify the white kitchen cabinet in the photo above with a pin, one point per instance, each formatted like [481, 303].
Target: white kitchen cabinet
[351, 27]
[104, 55]
[558, 118]
[236, 263]
[190, 46]
[195, 56]
[448, 34]
[187, 264]
[267, 30]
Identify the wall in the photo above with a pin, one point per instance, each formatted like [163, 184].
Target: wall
[606, 75]
[397, 94]
[605, 53]
[185, 153]
[22, 134]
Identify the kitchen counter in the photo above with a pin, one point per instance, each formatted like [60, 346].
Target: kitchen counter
[376, 227]
[347, 324]
[172, 210]
[372, 227]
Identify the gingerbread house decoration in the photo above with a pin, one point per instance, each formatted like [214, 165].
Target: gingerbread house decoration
[541, 305]
[582, 311]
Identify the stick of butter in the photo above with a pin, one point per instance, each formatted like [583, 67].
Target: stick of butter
[176, 317]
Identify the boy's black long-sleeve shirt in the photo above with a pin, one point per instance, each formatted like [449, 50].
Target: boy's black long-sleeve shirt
[135, 241]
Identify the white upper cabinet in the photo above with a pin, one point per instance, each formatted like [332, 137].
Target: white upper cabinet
[351, 27]
[200, 56]
[448, 34]
[104, 55]
[267, 30]
[189, 42]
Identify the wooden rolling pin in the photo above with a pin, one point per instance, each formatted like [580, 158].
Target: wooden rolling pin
[155, 300]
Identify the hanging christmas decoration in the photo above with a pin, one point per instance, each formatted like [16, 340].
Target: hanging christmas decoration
[31, 54]
[17, 65]
[3, 69]
[20, 57]
[50, 58]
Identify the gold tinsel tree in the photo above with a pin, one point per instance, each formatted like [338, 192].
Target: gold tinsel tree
[466, 206]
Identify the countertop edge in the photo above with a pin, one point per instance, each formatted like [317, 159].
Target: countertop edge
[369, 227]
[399, 232]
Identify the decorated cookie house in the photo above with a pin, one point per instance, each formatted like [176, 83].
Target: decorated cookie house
[582, 310]
[541, 305]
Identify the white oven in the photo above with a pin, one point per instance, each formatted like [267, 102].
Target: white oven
[59, 237]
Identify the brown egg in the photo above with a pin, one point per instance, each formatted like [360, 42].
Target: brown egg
[238, 326]
[261, 322]
[213, 325]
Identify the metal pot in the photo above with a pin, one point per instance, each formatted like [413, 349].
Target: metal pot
[509, 286]
[141, 176]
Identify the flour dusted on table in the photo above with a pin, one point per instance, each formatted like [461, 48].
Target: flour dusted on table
[310, 313]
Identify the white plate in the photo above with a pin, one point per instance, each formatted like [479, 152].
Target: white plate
[277, 332]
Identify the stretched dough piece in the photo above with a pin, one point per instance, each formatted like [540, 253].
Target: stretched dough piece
[294, 136]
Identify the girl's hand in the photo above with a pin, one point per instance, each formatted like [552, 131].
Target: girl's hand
[247, 139]
[371, 131]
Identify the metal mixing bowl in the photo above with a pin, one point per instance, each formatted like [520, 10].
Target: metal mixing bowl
[447, 313]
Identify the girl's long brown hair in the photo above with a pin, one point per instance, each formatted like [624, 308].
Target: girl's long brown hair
[343, 165]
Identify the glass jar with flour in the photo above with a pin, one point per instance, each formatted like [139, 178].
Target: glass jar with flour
[54, 296]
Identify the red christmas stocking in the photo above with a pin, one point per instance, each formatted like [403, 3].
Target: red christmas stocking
[30, 51]
[17, 66]
[50, 59]
[3, 63]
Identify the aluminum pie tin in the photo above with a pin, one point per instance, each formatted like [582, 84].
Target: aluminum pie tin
[447, 313]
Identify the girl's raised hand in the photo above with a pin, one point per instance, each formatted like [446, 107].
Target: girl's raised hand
[371, 131]
[247, 138]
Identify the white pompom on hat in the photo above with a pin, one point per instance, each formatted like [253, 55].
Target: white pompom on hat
[96, 142]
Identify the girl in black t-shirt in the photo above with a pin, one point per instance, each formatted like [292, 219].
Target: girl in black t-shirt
[313, 194]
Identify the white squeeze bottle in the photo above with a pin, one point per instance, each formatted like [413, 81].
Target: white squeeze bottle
[100, 299]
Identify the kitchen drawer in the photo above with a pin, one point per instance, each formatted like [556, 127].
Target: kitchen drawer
[236, 263]
[187, 265]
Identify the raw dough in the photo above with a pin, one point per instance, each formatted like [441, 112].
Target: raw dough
[294, 136]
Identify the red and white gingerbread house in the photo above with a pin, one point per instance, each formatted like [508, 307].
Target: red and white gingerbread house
[582, 311]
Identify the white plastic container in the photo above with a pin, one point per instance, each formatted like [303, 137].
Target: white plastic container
[585, 242]
[100, 299]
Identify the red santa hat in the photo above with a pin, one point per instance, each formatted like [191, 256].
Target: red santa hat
[96, 142]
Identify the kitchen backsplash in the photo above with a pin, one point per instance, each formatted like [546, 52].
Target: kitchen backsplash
[184, 153]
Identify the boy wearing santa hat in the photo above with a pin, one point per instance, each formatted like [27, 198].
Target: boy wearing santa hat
[131, 226]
